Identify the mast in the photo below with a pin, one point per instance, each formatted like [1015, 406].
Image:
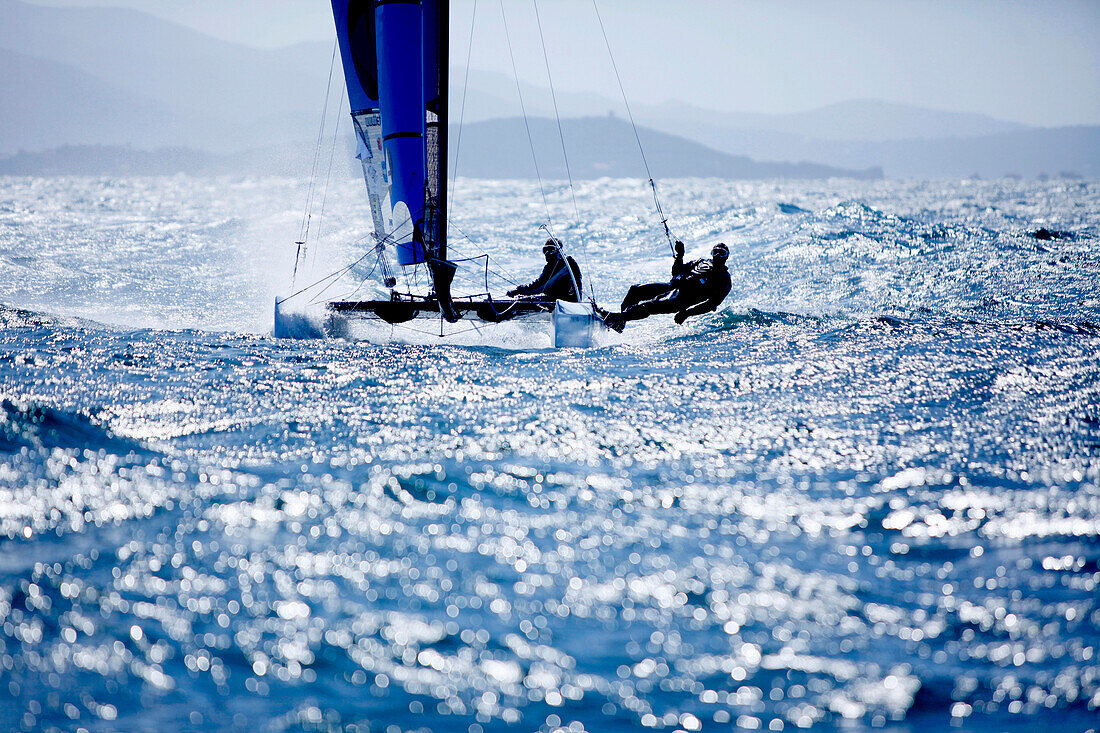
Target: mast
[435, 141]
[435, 75]
[444, 121]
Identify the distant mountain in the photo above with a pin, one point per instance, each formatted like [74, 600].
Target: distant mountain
[37, 120]
[1031, 152]
[906, 141]
[108, 160]
[858, 119]
[491, 95]
[71, 71]
[598, 147]
[605, 146]
[65, 105]
[109, 76]
[292, 159]
[853, 120]
[873, 120]
[167, 62]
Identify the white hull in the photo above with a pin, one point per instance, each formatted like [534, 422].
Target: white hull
[571, 325]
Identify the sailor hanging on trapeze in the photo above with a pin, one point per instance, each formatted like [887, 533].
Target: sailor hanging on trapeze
[696, 287]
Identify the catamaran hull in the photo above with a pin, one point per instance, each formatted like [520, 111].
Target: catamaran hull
[507, 324]
[297, 324]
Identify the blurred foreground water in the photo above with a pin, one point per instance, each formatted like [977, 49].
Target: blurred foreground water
[863, 495]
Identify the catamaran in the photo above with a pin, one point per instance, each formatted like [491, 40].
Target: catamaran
[394, 55]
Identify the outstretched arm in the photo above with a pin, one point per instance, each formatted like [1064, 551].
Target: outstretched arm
[537, 286]
[678, 267]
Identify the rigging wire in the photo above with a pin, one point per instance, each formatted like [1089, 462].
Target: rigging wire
[523, 109]
[630, 114]
[343, 270]
[461, 127]
[564, 152]
[462, 112]
[480, 253]
[328, 175]
[330, 276]
[307, 214]
[458, 151]
[351, 292]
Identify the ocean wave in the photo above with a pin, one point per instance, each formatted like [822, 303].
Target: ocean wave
[864, 494]
[12, 317]
[42, 428]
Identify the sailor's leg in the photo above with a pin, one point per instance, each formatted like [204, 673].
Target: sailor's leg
[652, 307]
[638, 293]
[667, 301]
[632, 297]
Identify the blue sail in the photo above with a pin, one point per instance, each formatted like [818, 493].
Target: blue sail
[399, 26]
[394, 59]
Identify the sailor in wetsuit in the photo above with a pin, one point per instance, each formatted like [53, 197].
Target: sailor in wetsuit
[697, 287]
[560, 279]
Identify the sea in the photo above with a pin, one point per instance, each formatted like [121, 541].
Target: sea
[862, 495]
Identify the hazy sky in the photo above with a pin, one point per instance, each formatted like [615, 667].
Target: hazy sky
[1036, 62]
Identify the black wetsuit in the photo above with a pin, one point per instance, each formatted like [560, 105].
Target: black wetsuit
[555, 283]
[696, 287]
